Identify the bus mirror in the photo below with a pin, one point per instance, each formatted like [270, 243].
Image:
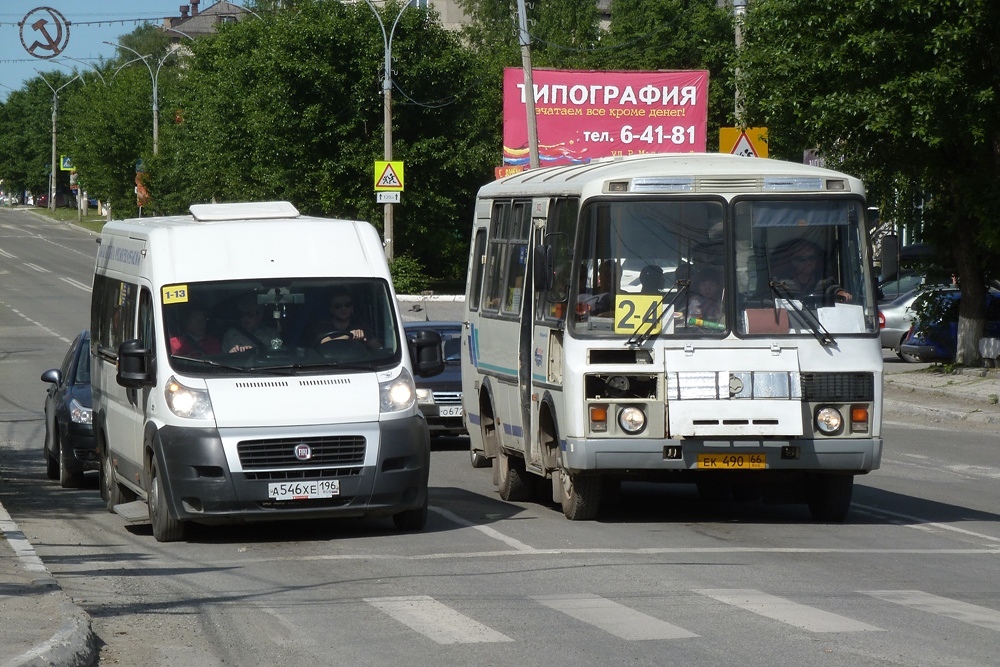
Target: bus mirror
[890, 257]
[134, 365]
[426, 353]
[543, 268]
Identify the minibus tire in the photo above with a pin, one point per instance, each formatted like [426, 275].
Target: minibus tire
[165, 527]
[830, 496]
[111, 491]
[581, 496]
[512, 479]
[411, 519]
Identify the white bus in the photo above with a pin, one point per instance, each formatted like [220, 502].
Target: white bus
[597, 348]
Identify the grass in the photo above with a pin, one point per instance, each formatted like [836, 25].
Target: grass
[92, 221]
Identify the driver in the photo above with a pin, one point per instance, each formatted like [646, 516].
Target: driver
[341, 324]
[799, 265]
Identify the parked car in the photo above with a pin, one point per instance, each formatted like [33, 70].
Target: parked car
[933, 336]
[440, 396]
[894, 321]
[69, 448]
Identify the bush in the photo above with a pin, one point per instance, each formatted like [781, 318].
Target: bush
[407, 275]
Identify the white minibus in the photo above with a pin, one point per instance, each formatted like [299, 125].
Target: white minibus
[249, 364]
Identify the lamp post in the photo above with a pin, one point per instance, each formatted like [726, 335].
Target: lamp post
[55, 116]
[739, 11]
[154, 76]
[387, 110]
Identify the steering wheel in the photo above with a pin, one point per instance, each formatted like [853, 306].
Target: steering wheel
[335, 336]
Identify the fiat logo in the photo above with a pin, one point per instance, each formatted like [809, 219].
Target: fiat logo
[303, 452]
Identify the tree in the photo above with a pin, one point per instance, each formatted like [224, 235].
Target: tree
[899, 92]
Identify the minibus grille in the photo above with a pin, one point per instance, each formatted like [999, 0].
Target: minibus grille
[334, 450]
[838, 387]
[283, 475]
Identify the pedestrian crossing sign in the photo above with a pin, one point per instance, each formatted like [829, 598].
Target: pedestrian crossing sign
[388, 176]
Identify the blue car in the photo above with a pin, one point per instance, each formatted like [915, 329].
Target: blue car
[934, 333]
[69, 448]
[440, 397]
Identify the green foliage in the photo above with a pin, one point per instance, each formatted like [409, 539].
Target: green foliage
[407, 275]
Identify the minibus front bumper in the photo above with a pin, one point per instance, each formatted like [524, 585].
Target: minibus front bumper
[200, 486]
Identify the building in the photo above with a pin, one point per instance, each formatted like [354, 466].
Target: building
[195, 22]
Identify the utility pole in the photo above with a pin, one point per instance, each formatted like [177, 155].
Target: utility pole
[739, 11]
[529, 85]
[55, 116]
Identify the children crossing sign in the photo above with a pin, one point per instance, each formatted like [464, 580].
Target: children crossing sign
[388, 176]
[749, 142]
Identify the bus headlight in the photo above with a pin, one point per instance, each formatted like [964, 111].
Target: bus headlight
[829, 421]
[632, 420]
[188, 402]
[399, 393]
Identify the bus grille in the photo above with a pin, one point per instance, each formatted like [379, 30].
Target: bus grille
[838, 387]
[345, 450]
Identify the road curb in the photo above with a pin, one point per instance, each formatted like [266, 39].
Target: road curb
[74, 644]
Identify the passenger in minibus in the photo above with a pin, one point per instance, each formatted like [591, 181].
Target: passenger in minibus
[194, 340]
[251, 332]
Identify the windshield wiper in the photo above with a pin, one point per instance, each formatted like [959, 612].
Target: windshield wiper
[208, 362]
[816, 327]
[641, 336]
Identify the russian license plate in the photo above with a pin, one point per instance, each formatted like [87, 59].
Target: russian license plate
[324, 488]
[730, 461]
[450, 411]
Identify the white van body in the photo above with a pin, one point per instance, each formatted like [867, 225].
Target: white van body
[283, 427]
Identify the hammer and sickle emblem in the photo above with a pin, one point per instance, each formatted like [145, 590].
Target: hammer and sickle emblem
[49, 46]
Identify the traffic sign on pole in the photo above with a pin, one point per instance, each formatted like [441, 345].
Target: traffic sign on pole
[388, 176]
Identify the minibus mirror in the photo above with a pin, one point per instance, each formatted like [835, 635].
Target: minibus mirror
[134, 365]
[543, 267]
[426, 354]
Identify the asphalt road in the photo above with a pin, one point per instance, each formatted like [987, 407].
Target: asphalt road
[910, 579]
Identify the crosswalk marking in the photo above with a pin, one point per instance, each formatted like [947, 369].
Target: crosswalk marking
[612, 617]
[786, 611]
[935, 604]
[436, 621]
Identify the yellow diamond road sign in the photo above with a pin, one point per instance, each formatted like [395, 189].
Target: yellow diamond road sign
[389, 176]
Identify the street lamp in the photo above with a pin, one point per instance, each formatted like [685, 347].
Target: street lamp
[55, 116]
[739, 11]
[387, 110]
[154, 76]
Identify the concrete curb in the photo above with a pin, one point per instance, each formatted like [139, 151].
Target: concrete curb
[74, 644]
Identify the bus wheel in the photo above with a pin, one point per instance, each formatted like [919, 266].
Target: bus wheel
[165, 527]
[581, 496]
[830, 496]
[512, 478]
[477, 458]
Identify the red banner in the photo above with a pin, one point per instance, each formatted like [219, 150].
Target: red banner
[581, 115]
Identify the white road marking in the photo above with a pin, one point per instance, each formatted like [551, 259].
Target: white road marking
[924, 524]
[36, 323]
[786, 611]
[613, 618]
[35, 267]
[77, 284]
[934, 604]
[6, 254]
[485, 530]
[436, 621]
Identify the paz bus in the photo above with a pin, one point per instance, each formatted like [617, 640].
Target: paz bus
[597, 350]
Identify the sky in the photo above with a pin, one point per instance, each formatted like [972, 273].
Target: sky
[92, 22]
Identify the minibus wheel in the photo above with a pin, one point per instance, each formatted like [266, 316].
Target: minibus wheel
[111, 492]
[165, 527]
[512, 478]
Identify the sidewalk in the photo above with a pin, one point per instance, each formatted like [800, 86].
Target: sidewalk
[43, 627]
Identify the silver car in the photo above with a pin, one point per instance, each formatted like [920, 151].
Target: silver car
[894, 320]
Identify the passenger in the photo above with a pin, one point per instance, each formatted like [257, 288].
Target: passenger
[608, 277]
[195, 341]
[251, 333]
[651, 280]
[799, 265]
[341, 323]
[705, 303]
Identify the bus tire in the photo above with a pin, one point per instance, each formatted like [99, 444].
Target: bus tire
[512, 479]
[165, 527]
[581, 496]
[477, 458]
[830, 496]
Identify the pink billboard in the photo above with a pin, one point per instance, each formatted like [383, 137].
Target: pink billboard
[583, 115]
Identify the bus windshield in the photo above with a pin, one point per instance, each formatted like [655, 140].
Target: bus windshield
[283, 326]
[707, 267]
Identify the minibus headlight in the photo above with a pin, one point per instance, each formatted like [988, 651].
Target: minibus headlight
[397, 394]
[424, 395]
[632, 419]
[79, 414]
[188, 402]
[829, 421]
